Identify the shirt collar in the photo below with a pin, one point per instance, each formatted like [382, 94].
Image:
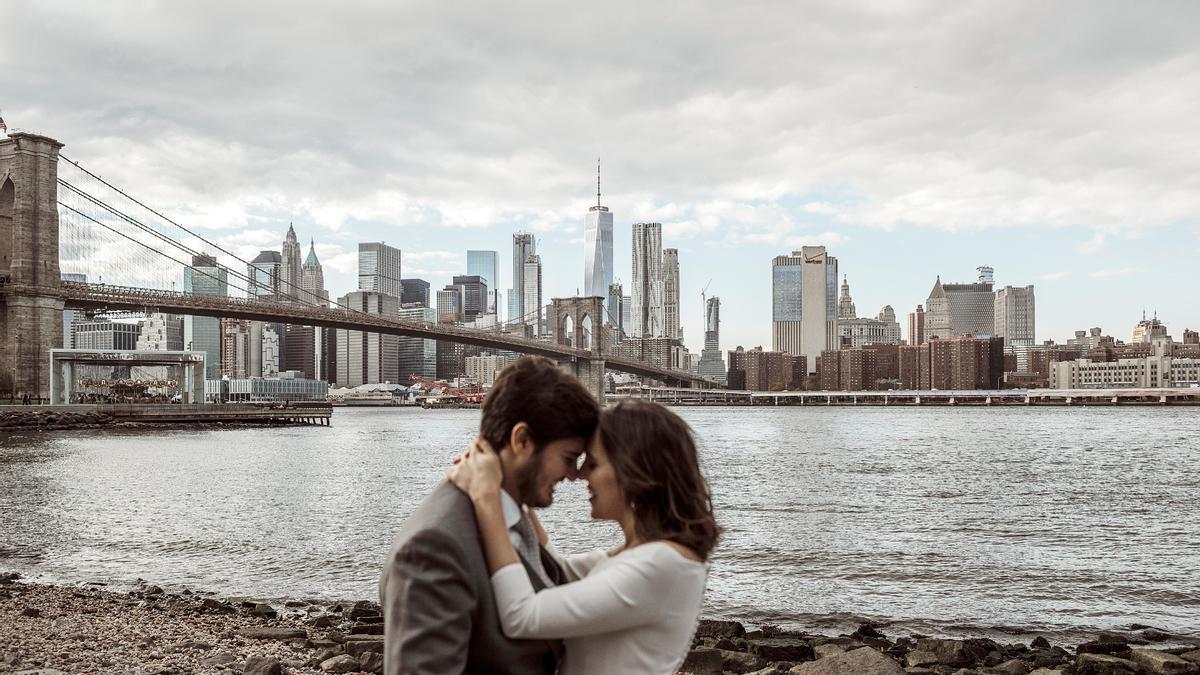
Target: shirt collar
[512, 510]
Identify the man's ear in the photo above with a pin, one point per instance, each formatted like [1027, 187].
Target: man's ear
[520, 441]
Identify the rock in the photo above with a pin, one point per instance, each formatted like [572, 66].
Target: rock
[918, 658]
[703, 661]
[861, 661]
[828, 649]
[1155, 635]
[295, 603]
[1040, 642]
[263, 610]
[363, 608]
[1046, 671]
[371, 662]
[740, 662]
[867, 630]
[340, 664]
[358, 646]
[1012, 667]
[954, 652]
[272, 633]
[32, 612]
[262, 665]
[1193, 656]
[211, 605]
[1102, 647]
[366, 629]
[1103, 664]
[719, 629]
[1162, 663]
[219, 659]
[152, 590]
[782, 649]
[322, 621]
[9, 577]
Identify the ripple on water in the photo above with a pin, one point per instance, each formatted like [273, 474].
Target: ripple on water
[930, 521]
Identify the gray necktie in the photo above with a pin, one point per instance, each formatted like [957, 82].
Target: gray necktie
[530, 550]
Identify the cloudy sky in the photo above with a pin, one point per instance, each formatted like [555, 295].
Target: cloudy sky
[1057, 142]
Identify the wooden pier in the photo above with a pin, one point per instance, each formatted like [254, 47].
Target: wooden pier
[166, 414]
[995, 397]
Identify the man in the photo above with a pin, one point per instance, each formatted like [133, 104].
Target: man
[439, 612]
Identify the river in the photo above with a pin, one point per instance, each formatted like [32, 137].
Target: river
[945, 521]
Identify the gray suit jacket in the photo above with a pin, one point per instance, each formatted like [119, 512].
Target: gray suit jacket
[439, 611]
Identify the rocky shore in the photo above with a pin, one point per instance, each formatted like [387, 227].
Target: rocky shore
[89, 629]
[46, 420]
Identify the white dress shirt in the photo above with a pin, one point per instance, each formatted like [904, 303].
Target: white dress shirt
[634, 612]
[512, 515]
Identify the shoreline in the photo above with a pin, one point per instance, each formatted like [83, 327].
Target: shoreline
[90, 627]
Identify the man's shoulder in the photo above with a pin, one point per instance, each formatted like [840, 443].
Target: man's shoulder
[446, 514]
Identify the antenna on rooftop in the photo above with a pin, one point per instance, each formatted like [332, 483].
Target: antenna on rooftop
[597, 181]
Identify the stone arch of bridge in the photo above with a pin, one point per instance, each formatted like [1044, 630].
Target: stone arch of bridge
[574, 324]
[8, 199]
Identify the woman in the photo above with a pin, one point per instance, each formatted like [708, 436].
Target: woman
[632, 609]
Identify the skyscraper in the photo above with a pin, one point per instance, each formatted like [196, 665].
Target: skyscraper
[379, 268]
[203, 333]
[671, 327]
[312, 279]
[598, 247]
[647, 292]
[264, 273]
[531, 293]
[368, 358]
[524, 245]
[414, 291]
[954, 310]
[804, 304]
[290, 270]
[474, 295]
[916, 326]
[1014, 316]
[418, 356]
[486, 264]
[846, 309]
[712, 365]
[615, 309]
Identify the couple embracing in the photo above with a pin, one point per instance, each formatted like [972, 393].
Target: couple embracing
[472, 584]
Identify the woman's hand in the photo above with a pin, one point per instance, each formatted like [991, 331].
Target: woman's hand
[477, 472]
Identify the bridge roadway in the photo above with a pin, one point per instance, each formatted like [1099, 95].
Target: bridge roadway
[100, 296]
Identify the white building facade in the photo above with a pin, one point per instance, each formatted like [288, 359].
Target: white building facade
[646, 310]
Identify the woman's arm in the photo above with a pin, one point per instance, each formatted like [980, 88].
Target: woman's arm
[478, 474]
[623, 595]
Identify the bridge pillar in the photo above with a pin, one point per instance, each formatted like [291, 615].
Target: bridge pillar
[30, 308]
[579, 323]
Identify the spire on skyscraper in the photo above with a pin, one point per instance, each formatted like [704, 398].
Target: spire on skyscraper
[597, 181]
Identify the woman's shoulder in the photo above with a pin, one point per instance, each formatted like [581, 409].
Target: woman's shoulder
[665, 550]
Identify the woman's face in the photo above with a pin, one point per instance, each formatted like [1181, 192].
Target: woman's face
[607, 498]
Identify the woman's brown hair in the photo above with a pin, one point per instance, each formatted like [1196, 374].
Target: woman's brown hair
[656, 464]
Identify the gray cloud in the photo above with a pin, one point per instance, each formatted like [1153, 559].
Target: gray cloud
[944, 115]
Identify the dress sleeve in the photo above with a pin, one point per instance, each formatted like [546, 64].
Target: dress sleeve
[624, 594]
[579, 565]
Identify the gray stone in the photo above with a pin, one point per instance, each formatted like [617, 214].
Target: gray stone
[1040, 642]
[371, 662]
[153, 590]
[1012, 667]
[782, 649]
[1162, 663]
[262, 665]
[740, 662]
[263, 610]
[273, 633]
[918, 658]
[862, 661]
[1046, 671]
[340, 664]
[828, 649]
[1193, 656]
[1104, 664]
[953, 652]
[719, 629]
[1102, 646]
[219, 659]
[356, 646]
[32, 612]
[703, 661]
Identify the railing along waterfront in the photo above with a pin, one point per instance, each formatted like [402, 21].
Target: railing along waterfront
[909, 397]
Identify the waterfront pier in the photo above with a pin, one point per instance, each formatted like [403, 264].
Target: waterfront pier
[977, 397]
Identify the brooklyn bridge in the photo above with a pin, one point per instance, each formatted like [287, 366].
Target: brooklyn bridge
[50, 205]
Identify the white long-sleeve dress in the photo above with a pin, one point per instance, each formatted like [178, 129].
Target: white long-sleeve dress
[634, 612]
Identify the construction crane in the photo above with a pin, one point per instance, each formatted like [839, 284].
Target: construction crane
[704, 303]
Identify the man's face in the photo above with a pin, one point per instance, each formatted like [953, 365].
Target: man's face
[540, 474]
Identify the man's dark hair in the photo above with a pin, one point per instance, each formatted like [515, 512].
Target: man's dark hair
[534, 390]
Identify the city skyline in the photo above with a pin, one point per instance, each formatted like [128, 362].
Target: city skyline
[935, 142]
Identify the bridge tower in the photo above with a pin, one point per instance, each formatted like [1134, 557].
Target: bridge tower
[579, 322]
[31, 311]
